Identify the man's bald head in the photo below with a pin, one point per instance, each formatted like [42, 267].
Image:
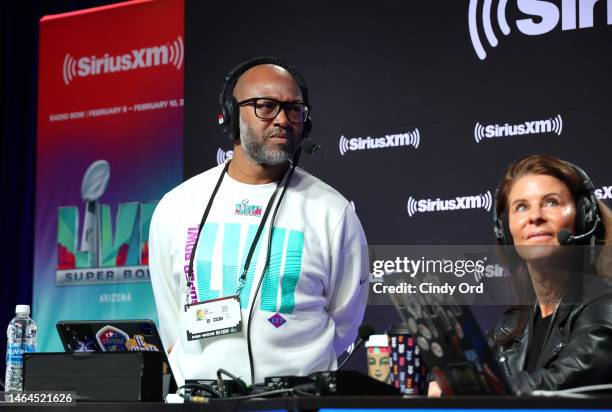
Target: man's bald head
[267, 80]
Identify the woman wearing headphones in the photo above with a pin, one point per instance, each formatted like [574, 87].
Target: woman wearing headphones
[545, 207]
[558, 236]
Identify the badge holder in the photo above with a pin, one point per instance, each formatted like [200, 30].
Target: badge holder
[214, 317]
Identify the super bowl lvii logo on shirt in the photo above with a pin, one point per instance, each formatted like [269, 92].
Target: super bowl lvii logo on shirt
[244, 209]
[281, 276]
[102, 257]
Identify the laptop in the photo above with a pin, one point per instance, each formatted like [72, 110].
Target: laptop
[450, 341]
[115, 336]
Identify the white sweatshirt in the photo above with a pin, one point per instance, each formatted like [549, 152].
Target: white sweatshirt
[314, 292]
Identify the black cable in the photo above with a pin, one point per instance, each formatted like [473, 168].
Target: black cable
[304, 393]
[190, 275]
[243, 386]
[306, 389]
[206, 388]
[250, 350]
[257, 395]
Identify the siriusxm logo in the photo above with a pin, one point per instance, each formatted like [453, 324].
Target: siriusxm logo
[169, 53]
[603, 193]
[480, 201]
[544, 17]
[491, 271]
[552, 125]
[391, 140]
[222, 155]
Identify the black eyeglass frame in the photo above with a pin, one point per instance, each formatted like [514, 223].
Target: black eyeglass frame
[281, 106]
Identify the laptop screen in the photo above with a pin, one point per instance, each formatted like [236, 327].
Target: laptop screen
[450, 340]
[114, 336]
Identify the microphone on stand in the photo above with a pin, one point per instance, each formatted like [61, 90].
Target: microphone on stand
[363, 334]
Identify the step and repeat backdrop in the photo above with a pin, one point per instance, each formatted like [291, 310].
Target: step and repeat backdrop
[419, 106]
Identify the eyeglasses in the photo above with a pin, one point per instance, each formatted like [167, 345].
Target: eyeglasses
[267, 109]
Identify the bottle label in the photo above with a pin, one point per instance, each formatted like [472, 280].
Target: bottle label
[14, 353]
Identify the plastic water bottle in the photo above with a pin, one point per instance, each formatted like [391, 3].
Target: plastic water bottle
[21, 338]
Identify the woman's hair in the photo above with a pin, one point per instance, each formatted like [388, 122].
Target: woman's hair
[569, 175]
[604, 262]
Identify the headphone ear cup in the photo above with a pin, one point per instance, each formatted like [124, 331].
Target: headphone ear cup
[226, 118]
[502, 230]
[580, 215]
[307, 128]
[585, 214]
[230, 116]
[506, 225]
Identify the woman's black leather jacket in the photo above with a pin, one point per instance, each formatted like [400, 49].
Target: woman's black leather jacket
[578, 348]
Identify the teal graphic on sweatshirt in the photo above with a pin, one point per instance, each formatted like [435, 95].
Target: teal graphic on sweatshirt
[281, 276]
[203, 262]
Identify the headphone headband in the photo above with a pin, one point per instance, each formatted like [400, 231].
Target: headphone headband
[228, 119]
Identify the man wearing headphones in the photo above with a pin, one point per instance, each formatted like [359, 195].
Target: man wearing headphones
[257, 267]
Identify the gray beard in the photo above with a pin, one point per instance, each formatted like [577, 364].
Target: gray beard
[255, 148]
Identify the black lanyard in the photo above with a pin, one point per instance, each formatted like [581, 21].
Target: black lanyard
[247, 262]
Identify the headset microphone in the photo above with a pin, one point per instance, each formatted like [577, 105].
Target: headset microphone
[310, 146]
[565, 237]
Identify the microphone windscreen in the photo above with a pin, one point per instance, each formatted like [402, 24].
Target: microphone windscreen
[365, 331]
[564, 236]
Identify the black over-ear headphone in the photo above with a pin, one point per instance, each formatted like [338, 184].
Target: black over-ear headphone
[587, 215]
[228, 119]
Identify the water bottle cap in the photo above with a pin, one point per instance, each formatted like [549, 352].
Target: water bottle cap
[22, 310]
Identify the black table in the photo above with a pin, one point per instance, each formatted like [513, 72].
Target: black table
[348, 402]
